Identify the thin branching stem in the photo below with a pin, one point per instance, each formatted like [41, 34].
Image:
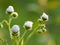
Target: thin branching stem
[23, 35]
[30, 35]
[5, 21]
[22, 42]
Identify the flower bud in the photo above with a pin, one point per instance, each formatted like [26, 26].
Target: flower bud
[41, 30]
[44, 17]
[40, 20]
[15, 30]
[14, 14]
[10, 9]
[28, 25]
[44, 30]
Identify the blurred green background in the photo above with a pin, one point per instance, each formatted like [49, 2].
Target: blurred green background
[32, 10]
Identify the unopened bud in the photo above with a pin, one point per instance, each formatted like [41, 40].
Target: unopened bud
[41, 30]
[10, 9]
[44, 17]
[15, 30]
[14, 14]
[28, 25]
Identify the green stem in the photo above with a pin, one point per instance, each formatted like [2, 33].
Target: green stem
[22, 42]
[15, 41]
[30, 35]
[5, 21]
[9, 25]
[23, 35]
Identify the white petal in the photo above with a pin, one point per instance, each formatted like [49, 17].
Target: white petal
[45, 16]
[15, 28]
[10, 9]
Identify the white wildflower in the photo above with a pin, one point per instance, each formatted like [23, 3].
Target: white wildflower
[10, 9]
[44, 16]
[28, 25]
[15, 28]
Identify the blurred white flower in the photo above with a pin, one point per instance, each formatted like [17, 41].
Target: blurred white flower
[15, 28]
[44, 17]
[14, 14]
[10, 9]
[28, 25]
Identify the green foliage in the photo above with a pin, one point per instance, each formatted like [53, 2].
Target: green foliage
[23, 8]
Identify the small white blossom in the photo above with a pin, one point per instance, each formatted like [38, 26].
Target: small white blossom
[28, 25]
[10, 9]
[14, 14]
[15, 28]
[44, 16]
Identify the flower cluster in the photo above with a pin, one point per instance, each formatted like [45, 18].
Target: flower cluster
[42, 21]
[15, 30]
[28, 25]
